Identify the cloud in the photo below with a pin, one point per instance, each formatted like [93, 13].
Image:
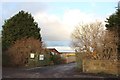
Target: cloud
[76, 16]
[59, 0]
[52, 27]
[57, 43]
[73, 17]
[55, 28]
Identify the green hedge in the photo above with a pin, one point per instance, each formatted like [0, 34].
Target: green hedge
[36, 62]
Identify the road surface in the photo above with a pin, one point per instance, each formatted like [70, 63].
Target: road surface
[57, 71]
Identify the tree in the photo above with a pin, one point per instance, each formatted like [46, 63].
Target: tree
[113, 21]
[17, 27]
[93, 40]
[113, 25]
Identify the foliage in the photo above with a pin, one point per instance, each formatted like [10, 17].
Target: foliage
[5, 60]
[57, 59]
[93, 40]
[36, 62]
[19, 52]
[20, 25]
[79, 58]
[113, 25]
[113, 20]
[86, 36]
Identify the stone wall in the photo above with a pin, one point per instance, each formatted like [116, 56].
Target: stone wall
[101, 66]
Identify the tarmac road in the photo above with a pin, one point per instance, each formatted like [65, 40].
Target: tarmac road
[56, 71]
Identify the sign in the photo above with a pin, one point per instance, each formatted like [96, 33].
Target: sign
[41, 57]
[53, 53]
[32, 55]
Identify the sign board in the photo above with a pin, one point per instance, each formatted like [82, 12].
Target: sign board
[41, 57]
[53, 53]
[32, 55]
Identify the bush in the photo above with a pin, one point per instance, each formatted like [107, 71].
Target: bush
[36, 62]
[19, 52]
[57, 59]
[5, 59]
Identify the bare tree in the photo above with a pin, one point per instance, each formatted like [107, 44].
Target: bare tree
[109, 45]
[94, 40]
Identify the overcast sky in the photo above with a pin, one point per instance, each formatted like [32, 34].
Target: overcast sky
[57, 19]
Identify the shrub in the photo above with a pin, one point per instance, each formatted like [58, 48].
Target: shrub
[19, 52]
[57, 59]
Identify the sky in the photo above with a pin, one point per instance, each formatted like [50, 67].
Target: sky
[57, 19]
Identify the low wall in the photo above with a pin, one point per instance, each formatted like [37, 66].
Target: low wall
[101, 66]
[70, 59]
